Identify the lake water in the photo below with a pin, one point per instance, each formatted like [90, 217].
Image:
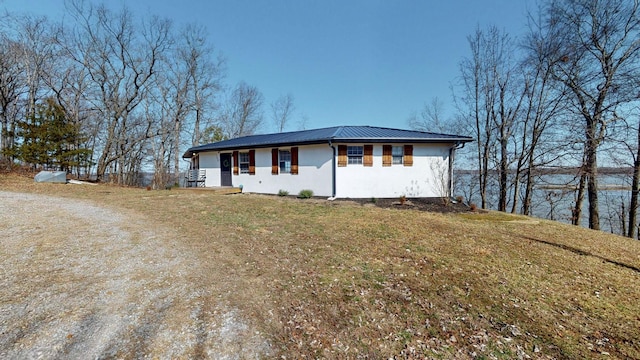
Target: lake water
[555, 195]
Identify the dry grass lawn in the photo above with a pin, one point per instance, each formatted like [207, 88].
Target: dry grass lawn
[341, 280]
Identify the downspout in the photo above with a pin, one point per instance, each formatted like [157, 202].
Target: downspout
[452, 151]
[333, 172]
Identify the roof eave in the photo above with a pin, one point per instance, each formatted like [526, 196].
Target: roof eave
[203, 148]
[402, 140]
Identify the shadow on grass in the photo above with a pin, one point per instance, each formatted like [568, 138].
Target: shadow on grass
[583, 253]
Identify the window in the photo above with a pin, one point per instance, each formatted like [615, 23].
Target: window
[397, 154]
[285, 161]
[354, 155]
[244, 163]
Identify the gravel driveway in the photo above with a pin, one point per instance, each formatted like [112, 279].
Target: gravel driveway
[82, 281]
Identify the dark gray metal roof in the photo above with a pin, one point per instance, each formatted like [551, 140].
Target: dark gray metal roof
[337, 134]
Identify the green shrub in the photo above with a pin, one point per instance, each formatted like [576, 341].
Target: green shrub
[305, 194]
[283, 193]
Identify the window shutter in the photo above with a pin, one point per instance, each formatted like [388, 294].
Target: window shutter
[236, 169]
[342, 155]
[252, 162]
[387, 156]
[368, 155]
[294, 161]
[408, 155]
[274, 161]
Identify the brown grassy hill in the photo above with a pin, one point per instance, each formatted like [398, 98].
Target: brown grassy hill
[343, 280]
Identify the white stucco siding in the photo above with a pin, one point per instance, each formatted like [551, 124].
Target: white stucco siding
[210, 161]
[428, 177]
[314, 173]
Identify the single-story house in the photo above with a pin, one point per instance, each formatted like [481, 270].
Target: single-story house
[334, 162]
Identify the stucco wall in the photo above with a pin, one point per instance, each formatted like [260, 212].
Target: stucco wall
[426, 178]
[210, 161]
[314, 173]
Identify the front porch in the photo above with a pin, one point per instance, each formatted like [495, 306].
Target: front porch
[195, 180]
[217, 190]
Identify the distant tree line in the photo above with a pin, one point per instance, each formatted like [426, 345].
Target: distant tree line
[112, 95]
[565, 94]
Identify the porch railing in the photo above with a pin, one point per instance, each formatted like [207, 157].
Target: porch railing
[196, 177]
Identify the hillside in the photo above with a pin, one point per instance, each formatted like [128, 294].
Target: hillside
[344, 280]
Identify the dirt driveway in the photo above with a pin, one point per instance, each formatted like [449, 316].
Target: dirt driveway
[81, 281]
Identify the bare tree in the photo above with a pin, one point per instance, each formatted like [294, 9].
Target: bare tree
[165, 109]
[543, 104]
[597, 46]
[174, 101]
[628, 139]
[184, 89]
[635, 186]
[35, 36]
[242, 114]
[11, 89]
[281, 111]
[430, 118]
[303, 122]
[120, 59]
[476, 104]
[137, 90]
[68, 83]
[493, 99]
[206, 71]
[510, 97]
[24, 60]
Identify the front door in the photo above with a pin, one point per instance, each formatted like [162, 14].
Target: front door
[225, 169]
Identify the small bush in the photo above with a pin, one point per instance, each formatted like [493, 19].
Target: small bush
[283, 193]
[473, 207]
[403, 199]
[305, 194]
[459, 199]
[374, 200]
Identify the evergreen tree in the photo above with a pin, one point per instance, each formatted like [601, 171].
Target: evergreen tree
[48, 139]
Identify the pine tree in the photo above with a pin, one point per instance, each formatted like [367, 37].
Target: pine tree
[48, 139]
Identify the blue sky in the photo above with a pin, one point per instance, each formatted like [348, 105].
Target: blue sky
[365, 62]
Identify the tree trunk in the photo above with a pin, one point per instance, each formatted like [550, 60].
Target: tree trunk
[592, 184]
[516, 188]
[103, 160]
[176, 150]
[484, 174]
[633, 205]
[623, 222]
[528, 192]
[504, 169]
[577, 210]
[4, 136]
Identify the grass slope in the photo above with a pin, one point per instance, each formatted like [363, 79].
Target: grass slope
[340, 280]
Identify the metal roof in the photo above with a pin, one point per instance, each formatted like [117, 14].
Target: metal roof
[337, 134]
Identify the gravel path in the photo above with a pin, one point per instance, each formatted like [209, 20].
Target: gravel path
[82, 281]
